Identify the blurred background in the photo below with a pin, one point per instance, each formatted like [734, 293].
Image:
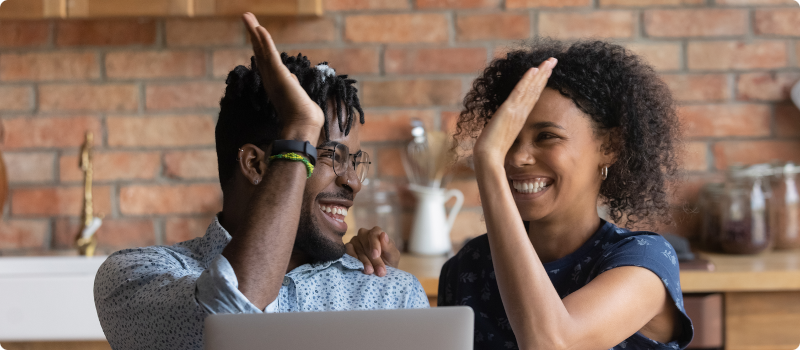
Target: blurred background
[149, 88]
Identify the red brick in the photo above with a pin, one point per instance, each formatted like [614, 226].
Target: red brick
[43, 132]
[448, 121]
[155, 64]
[698, 87]
[725, 120]
[29, 167]
[116, 32]
[787, 120]
[14, 34]
[648, 3]
[15, 98]
[300, 30]
[393, 125]
[388, 162]
[58, 201]
[726, 55]
[766, 86]
[753, 152]
[23, 234]
[112, 166]
[45, 66]
[397, 28]
[598, 24]
[189, 95]
[515, 4]
[166, 199]
[458, 4]
[356, 60]
[695, 22]
[777, 22]
[113, 235]
[434, 60]
[662, 56]
[346, 5]
[410, 93]
[196, 164]
[161, 131]
[686, 190]
[184, 229]
[754, 2]
[493, 26]
[204, 32]
[225, 60]
[695, 157]
[89, 97]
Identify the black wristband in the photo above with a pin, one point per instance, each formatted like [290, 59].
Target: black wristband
[284, 146]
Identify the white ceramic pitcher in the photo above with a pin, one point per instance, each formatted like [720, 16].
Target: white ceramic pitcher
[430, 233]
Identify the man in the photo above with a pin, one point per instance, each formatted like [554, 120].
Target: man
[276, 246]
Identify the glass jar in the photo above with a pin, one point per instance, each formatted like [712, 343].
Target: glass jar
[744, 225]
[377, 205]
[786, 207]
[709, 204]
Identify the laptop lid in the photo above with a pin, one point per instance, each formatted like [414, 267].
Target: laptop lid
[440, 328]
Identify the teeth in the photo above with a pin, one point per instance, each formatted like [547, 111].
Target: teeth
[336, 210]
[530, 186]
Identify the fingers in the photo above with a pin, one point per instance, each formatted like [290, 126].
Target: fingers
[375, 250]
[527, 91]
[390, 253]
[358, 251]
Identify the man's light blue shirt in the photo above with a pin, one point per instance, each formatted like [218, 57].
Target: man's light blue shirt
[157, 297]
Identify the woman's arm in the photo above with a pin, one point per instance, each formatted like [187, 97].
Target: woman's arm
[598, 316]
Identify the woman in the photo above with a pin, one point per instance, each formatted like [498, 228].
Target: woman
[558, 128]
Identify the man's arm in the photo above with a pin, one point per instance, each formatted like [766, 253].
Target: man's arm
[259, 252]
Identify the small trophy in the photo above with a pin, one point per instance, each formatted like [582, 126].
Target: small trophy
[86, 240]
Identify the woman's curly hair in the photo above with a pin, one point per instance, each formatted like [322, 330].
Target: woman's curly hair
[621, 94]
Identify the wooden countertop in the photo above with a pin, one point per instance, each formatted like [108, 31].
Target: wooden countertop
[772, 271]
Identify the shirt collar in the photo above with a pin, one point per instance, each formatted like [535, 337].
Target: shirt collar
[217, 238]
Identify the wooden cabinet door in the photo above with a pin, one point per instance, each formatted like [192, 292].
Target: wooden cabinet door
[33, 9]
[127, 8]
[259, 7]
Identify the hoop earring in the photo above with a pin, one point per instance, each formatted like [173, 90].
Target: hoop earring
[240, 155]
[604, 173]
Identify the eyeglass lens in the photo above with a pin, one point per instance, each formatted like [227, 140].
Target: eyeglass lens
[341, 160]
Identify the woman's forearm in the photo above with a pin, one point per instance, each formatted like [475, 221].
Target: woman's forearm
[534, 308]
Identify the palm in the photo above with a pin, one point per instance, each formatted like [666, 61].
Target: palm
[292, 103]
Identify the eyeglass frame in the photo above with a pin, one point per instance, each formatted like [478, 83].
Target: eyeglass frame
[354, 155]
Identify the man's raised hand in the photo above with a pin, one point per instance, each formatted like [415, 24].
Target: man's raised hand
[302, 118]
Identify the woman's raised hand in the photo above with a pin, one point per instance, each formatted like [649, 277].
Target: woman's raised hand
[375, 249]
[499, 134]
[302, 118]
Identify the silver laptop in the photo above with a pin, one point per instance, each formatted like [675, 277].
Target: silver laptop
[440, 328]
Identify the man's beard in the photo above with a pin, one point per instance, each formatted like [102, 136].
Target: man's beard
[313, 243]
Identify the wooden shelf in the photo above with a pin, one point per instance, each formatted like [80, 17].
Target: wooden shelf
[39, 9]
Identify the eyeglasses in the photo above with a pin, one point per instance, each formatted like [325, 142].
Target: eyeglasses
[342, 160]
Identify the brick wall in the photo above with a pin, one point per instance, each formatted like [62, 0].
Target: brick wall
[149, 89]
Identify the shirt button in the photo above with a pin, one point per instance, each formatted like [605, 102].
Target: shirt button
[286, 281]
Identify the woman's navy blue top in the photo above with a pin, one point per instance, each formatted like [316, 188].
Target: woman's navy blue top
[468, 279]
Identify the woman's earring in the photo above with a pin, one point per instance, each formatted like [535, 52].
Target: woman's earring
[604, 173]
[255, 182]
[240, 155]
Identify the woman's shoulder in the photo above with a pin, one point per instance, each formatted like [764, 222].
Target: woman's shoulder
[474, 253]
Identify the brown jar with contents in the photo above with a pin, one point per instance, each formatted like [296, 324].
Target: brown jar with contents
[785, 207]
[710, 207]
[744, 227]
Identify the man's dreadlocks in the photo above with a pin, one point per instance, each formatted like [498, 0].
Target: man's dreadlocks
[247, 116]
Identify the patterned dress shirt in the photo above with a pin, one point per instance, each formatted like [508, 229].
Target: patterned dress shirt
[157, 297]
[469, 279]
